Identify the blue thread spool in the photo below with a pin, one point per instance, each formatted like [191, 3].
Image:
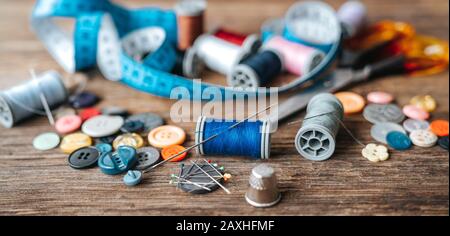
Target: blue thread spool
[249, 139]
[257, 70]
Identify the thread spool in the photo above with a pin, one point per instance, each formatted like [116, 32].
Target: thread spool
[23, 101]
[257, 70]
[190, 17]
[219, 55]
[272, 27]
[248, 139]
[248, 42]
[188, 64]
[353, 16]
[316, 139]
[298, 59]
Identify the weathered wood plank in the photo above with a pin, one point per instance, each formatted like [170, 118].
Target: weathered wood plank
[411, 183]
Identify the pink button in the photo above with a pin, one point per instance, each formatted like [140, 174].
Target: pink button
[414, 112]
[68, 124]
[380, 97]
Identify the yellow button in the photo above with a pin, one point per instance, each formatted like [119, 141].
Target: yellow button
[132, 139]
[425, 102]
[75, 141]
[165, 136]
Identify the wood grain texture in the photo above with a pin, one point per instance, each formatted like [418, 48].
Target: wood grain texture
[414, 182]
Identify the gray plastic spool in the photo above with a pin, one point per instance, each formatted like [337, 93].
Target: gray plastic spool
[23, 101]
[316, 139]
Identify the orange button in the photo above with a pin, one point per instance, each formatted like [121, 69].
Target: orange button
[352, 102]
[166, 135]
[173, 150]
[439, 127]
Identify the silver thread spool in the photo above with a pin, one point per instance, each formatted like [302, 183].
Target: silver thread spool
[316, 139]
[219, 55]
[263, 189]
[24, 101]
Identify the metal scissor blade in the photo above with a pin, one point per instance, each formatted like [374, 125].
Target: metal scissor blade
[335, 81]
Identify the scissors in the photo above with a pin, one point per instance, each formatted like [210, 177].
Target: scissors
[400, 50]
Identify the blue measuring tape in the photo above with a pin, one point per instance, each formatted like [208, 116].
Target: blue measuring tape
[135, 47]
[312, 23]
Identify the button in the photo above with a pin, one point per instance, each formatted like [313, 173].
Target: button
[398, 141]
[132, 139]
[423, 138]
[46, 141]
[132, 178]
[376, 113]
[150, 120]
[147, 157]
[107, 139]
[439, 127]
[106, 164]
[410, 125]
[68, 124]
[75, 141]
[104, 148]
[65, 111]
[169, 151]
[352, 102]
[88, 113]
[443, 142]
[118, 162]
[375, 153]
[165, 136]
[102, 126]
[380, 97]
[416, 113]
[83, 100]
[83, 158]
[380, 131]
[132, 127]
[114, 111]
[424, 102]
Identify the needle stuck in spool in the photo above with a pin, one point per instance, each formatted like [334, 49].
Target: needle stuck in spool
[50, 117]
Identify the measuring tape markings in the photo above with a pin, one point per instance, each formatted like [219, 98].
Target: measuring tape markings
[113, 66]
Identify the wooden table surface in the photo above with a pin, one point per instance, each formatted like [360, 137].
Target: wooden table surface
[414, 182]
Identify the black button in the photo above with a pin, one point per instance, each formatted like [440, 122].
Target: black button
[83, 158]
[132, 127]
[83, 100]
[443, 143]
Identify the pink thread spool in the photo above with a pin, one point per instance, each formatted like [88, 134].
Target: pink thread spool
[299, 59]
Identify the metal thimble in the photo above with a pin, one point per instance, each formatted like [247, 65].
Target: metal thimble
[263, 190]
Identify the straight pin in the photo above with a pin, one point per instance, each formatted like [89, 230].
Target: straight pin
[217, 182]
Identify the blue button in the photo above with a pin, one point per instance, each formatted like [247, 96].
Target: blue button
[104, 148]
[118, 162]
[398, 141]
[132, 178]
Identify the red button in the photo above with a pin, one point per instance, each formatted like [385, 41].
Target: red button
[88, 113]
